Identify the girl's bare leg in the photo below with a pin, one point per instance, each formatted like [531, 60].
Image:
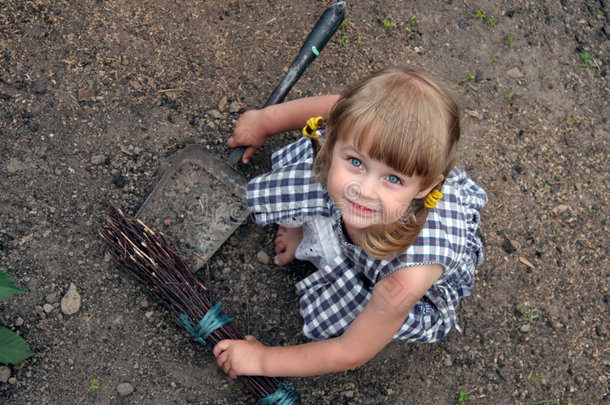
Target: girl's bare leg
[286, 242]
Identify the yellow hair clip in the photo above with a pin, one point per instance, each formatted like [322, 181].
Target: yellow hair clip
[313, 124]
[432, 198]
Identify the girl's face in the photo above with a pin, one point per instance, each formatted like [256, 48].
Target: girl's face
[369, 193]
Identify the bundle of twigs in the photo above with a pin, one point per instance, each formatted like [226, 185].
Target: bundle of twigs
[147, 255]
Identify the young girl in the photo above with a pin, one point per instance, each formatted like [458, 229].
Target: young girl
[393, 254]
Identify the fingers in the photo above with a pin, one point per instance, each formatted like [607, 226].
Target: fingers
[232, 143]
[222, 357]
[221, 347]
[248, 154]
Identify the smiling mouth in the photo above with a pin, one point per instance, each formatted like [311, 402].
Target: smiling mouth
[360, 209]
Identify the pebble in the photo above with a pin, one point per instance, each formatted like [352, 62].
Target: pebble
[5, 373]
[263, 257]
[97, 159]
[124, 389]
[19, 321]
[48, 308]
[234, 107]
[348, 394]
[70, 303]
[85, 93]
[14, 165]
[515, 73]
[526, 328]
[216, 114]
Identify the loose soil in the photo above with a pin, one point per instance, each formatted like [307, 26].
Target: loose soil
[97, 97]
[197, 204]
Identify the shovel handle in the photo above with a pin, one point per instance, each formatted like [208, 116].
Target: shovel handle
[319, 36]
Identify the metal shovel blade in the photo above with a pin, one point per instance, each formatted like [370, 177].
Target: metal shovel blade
[199, 202]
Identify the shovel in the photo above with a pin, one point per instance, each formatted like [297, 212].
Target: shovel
[200, 199]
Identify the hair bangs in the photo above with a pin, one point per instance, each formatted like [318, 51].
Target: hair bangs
[401, 131]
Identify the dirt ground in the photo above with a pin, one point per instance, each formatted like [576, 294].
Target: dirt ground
[98, 96]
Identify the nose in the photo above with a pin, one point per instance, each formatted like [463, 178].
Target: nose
[369, 186]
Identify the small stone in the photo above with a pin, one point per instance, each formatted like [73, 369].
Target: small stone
[348, 394]
[474, 114]
[222, 103]
[70, 303]
[14, 165]
[97, 159]
[263, 257]
[12, 381]
[448, 361]
[560, 209]
[19, 321]
[135, 85]
[216, 114]
[515, 73]
[85, 93]
[149, 314]
[124, 389]
[107, 257]
[234, 107]
[48, 308]
[526, 328]
[5, 373]
[52, 298]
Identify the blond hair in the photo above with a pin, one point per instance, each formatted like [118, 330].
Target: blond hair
[408, 121]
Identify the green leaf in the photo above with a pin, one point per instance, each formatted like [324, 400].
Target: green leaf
[95, 384]
[8, 287]
[13, 348]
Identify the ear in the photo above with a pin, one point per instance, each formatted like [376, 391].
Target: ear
[423, 193]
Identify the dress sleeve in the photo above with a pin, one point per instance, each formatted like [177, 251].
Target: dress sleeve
[299, 151]
[289, 192]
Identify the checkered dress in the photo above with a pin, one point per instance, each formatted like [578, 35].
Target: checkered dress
[336, 293]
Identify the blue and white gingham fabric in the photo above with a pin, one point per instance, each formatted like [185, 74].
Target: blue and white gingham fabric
[336, 293]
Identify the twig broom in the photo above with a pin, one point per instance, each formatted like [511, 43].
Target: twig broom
[146, 255]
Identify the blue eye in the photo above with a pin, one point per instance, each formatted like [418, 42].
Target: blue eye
[394, 179]
[355, 162]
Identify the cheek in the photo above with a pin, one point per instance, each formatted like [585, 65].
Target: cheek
[333, 182]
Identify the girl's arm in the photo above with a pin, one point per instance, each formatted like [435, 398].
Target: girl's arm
[255, 126]
[392, 300]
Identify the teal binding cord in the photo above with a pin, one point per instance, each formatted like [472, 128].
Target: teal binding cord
[315, 50]
[212, 320]
[215, 319]
[282, 396]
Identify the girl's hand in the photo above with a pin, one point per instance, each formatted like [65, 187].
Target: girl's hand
[249, 131]
[240, 357]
